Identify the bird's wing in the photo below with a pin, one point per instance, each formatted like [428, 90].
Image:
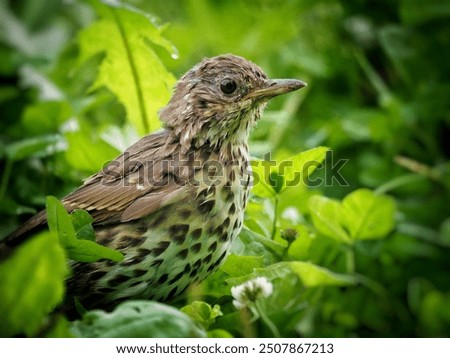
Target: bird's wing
[147, 176]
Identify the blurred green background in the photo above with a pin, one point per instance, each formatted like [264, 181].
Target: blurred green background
[378, 95]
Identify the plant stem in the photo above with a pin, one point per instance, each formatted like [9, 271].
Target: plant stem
[248, 330]
[275, 216]
[399, 182]
[267, 321]
[372, 285]
[350, 259]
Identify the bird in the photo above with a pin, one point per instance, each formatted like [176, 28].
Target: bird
[173, 202]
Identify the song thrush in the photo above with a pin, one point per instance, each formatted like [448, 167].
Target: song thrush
[174, 201]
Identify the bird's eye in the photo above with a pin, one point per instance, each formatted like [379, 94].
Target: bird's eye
[228, 86]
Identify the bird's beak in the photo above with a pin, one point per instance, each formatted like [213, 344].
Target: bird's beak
[275, 88]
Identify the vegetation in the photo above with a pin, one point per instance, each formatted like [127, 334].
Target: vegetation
[359, 247]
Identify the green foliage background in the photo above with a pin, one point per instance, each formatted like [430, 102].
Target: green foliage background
[369, 256]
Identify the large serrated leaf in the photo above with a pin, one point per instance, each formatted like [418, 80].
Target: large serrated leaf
[131, 69]
[31, 285]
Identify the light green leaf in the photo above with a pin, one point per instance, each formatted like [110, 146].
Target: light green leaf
[86, 151]
[31, 285]
[298, 168]
[241, 265]
[137, 319]
[261, 184]
[368, 215]
[276, 181]
[59, 222]
[259, 244]
[299, 249]
[312, 275]
[131, 69]
[327, 217]
[202, 312]
[279, 269]
[309, 274]
[45, 117]
[219, 333]
[272, 177]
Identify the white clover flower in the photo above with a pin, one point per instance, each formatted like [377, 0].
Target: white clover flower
[250, 291]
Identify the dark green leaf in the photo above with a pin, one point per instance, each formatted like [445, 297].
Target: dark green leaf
[35, 147]
[82, 223]
[60, 223]
[137, 319]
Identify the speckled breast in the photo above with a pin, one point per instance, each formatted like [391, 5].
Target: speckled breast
[179, 244]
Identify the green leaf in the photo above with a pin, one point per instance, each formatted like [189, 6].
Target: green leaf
[368, 215]
[236, 265]
[298, 168]
[312, 275]
[89, 251]
[276, 181]
[261, 184]
[219, 333]
[417, 12]
[82, 223]
[31, 285]
[137, 319]
[309, 274]
[44, 117]
[41, 146]
[59, 329]
[257, 244]
[202, 313]
[270, 177]
[131, 69]
[299, 249]
[327, 217]
[86, 151]
[60, 223]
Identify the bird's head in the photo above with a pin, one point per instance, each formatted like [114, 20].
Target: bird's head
[219, 100]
